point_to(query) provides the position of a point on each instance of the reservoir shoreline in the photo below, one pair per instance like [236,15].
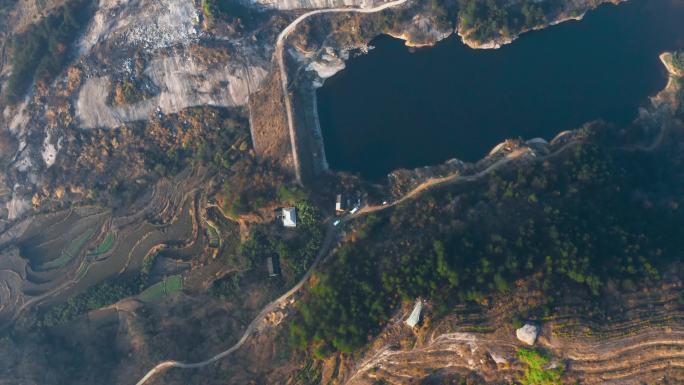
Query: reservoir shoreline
[625,114]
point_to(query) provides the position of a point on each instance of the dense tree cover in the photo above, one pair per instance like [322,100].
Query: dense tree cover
[95,297]
[578,220]
[488,19]
[345,305]
[42,51]
[297,248]
[443,12]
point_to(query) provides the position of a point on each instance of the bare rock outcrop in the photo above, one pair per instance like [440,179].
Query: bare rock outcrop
[528,333]
[184,82]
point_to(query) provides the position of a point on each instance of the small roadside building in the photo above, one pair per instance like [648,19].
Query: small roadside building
[414,318]
[273,265]
[289,217]
[340,205]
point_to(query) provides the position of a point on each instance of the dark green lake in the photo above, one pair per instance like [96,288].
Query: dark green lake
[400,108]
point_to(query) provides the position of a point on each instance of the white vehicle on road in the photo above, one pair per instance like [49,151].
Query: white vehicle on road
[354,210]
[337,222]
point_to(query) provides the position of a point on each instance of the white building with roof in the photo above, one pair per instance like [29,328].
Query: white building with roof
[290,217]
[339,205]
[414,317]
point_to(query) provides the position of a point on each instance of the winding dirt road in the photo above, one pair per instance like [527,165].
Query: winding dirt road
[332,230]
[330,237]
[328,241]
[434,182]
[280,55]
[254,325]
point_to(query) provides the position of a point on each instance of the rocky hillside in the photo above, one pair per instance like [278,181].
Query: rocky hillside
[145,151]
[119,63]
[112,63]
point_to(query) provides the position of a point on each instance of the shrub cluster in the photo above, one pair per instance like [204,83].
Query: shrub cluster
[588,217]
[42,51]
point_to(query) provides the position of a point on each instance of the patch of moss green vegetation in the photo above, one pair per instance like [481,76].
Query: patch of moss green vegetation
[105,246]
[71,252]
[600,216]
[148,263]
[168,286]
[42,51]
[81,271]
[535,373]
[173,284]
[290,195]
[212,233]
[153,293]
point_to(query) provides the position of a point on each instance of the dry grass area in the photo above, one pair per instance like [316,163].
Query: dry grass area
[269,122]
[639,341]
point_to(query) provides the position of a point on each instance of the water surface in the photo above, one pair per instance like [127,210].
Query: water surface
[396,108]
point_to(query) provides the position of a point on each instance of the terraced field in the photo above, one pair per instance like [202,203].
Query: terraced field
[213,235]
[72,251]
[61,254]
[104,247]
[642,343]
[49,244]
[46,256]
[165,219]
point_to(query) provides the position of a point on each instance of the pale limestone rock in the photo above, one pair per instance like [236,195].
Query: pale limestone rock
[528,333]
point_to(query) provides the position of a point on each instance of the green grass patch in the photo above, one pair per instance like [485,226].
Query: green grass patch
[148,263]
[71,251]
[105,246]
[170,285]
[153,292]
[213,235]
[535,374]
[290,196]
[82,270]
[173,284]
